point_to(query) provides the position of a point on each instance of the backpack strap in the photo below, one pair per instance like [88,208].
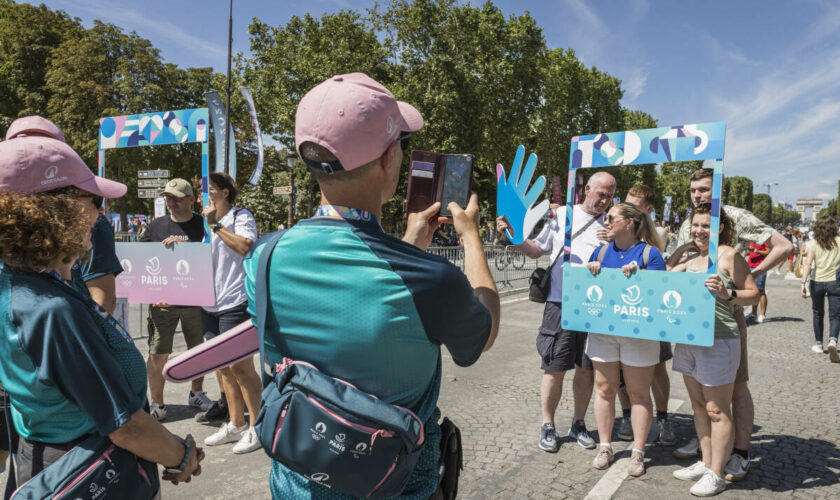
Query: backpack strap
[261,293]
[646,255]
[602,251]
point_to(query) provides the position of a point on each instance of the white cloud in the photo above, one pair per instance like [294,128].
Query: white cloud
[634,86]
[146,26]
[825,196]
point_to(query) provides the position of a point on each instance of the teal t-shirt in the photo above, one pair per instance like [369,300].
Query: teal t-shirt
[68,372]
[368,308]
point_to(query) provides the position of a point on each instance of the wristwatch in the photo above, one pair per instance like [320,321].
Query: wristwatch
[183,464]
[732,295]
[215,227]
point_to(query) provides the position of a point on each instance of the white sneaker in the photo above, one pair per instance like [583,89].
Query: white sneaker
[817,348]
[199,399]
[760,318]
[248,443]
[709,485]
[693,472]
[736,468]
[157,411]
[832,351]
[227,433]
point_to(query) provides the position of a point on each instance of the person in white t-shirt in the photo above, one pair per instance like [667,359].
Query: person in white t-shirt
[561,349]
[234,233]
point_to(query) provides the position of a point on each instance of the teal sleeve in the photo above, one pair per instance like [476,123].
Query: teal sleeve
[250,264]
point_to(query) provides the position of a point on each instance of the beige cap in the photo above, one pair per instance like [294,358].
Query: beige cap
[178,188]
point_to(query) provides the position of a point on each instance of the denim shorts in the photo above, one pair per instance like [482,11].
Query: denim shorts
[216,323]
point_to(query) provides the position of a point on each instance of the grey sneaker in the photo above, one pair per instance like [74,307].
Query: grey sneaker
[157,411]
[625,429]
[666,433]
[548,439]
[579,433]
[832,351]
[636,467]
[709,485]
[736,468]
[604,458]
[199,399]
[693,472]
[690,450]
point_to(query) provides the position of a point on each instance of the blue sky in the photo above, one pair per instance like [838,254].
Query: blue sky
[770,69]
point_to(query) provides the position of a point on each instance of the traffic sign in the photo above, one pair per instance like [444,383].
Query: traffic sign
[152,183]
[148,193]
[152,174]
[282,190]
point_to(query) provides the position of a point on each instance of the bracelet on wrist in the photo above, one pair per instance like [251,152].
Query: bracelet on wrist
[183,465]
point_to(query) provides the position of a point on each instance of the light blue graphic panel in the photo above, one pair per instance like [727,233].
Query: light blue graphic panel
[514,199]
[652,305]
[154,129]
[699,141]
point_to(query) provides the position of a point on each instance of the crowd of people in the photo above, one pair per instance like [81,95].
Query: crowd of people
[337,292]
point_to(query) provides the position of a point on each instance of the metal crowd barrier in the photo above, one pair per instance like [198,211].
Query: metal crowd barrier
[509,267]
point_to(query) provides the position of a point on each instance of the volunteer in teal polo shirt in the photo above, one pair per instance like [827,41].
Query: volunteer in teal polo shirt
[357,303]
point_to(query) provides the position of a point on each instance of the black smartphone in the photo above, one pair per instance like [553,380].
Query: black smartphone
[457,182]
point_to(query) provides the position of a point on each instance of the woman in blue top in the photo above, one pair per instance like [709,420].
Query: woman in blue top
[70,369]
[633,246]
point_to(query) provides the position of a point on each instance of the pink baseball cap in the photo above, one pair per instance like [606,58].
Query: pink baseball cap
[31,164]
[355,118]
[32,125]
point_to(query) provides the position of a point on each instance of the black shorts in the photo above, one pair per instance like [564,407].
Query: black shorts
[665,352]
[7,429]
[560,349]
[216,323]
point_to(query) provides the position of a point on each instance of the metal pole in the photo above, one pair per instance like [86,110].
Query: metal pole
[228,131]
[292,198]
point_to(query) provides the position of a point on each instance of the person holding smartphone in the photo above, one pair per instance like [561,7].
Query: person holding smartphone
[360,305]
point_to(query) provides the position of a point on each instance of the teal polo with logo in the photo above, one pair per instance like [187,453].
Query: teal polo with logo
[373,310]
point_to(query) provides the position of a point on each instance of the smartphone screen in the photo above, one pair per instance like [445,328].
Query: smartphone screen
[456,182]
[421,186]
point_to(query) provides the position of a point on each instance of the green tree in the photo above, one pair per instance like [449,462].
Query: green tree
[830,210]
[28,36]
[761,206]
[673,180]
[738,192]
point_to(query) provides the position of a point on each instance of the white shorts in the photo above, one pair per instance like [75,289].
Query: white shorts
[631,352]
[711,366]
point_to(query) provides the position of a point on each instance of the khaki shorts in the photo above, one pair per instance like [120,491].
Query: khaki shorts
[743,374]
[165,320]
[629,351]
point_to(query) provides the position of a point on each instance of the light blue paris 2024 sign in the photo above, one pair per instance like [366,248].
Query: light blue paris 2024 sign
[655,305]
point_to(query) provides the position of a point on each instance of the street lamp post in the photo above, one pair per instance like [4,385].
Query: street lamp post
[768,186]
[291,161]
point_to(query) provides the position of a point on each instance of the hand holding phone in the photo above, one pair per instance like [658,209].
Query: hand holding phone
[436,177]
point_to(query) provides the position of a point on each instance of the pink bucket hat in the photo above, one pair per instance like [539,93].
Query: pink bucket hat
[31,164]
[355,118]
[32,125]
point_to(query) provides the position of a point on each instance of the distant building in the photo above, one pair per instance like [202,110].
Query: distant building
[808,208]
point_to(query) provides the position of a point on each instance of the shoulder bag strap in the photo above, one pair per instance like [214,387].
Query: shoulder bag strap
[646,255]
[261,295]
[601,253]
[577,233]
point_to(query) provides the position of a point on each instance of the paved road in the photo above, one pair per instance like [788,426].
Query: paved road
[496,404]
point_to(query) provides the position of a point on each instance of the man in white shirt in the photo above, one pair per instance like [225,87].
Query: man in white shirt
[560,349]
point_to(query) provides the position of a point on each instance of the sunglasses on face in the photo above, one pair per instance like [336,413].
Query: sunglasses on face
[405,140]
[612,219]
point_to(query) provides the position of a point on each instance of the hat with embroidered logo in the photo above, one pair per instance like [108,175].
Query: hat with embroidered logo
[34,125]
[355,118]
[34,164]
[178,188]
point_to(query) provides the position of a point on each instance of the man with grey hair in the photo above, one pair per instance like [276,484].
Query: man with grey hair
[561,349]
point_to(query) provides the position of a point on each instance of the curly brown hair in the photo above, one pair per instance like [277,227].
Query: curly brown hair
[726,233]
[38,228]
[825,232]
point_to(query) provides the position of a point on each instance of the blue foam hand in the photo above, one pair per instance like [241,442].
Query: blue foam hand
[515,201]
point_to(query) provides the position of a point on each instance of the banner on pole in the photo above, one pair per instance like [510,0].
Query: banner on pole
[217,118]
[153,129]
[252,112]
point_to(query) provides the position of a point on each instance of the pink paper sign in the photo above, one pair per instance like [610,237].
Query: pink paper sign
[179,274]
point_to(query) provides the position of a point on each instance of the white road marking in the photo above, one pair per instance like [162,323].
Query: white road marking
[514,301]
[611,481]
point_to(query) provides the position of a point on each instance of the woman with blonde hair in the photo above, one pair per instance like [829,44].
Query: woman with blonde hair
[633,247]
[823,255]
